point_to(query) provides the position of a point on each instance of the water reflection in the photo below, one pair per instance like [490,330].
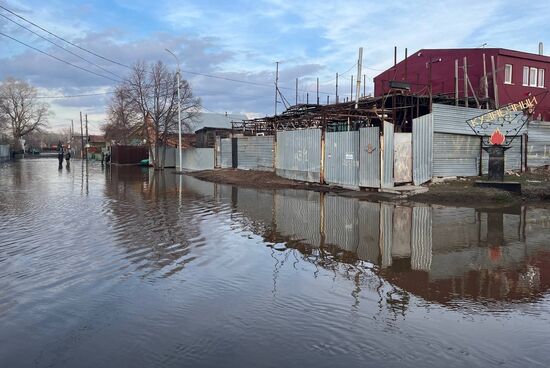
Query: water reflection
[439,253]
[117,266]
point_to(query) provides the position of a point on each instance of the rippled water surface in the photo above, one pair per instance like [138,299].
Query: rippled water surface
[121,267]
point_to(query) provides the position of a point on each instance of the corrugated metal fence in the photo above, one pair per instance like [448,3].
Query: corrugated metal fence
[538,144]
[298,154]
[225,159]
[342,158]
[197,159]
[4,151]
[256,153]
[422,145]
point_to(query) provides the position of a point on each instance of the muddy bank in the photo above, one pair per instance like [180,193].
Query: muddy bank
[535,187]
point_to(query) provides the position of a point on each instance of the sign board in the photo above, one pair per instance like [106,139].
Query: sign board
[501,126]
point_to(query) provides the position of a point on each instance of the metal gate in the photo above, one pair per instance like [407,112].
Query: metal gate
[369,157]
[422,144]
[387,159]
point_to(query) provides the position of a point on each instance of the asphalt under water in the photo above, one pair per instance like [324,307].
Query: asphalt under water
[124,267]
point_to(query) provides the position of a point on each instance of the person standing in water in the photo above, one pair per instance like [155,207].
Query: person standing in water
[60,155]
[68,158]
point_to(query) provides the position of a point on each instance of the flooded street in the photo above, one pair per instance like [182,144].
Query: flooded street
[122,267]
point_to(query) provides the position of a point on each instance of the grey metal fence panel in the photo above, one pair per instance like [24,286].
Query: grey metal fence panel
[422,145]
[256,153]
[421,238]
[456,155]
[225,153]
[169,156]
[538,144]
[369,157]
[368,248]
[197,159]
[341,222]
[387,161]
[386,233]
[342,158]
[512,157]
[4,151]
[452,119]
[291,208]
[298,154]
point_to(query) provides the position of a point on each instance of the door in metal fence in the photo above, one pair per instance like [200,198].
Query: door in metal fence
[387,156]
[369,157]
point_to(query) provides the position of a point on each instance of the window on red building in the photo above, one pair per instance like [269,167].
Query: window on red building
[508,74]
[533,77]
[525,75]
[541,78]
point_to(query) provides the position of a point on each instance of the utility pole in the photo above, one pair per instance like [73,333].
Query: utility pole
[276,85]
[456,82]
[296,91]
[317,90]
[466,82]
[485,84]
[364,85]
[178,74]
[87,137]
[336,87]
[81,138]
[495,86]
[351,89]
[359,66]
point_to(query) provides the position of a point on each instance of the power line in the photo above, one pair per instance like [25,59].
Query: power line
[59,46]
[129,67]
[56,58]
[61,38]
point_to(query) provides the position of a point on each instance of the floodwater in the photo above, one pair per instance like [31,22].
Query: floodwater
[121,267]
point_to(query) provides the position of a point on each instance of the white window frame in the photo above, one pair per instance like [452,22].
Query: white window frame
[533,77]
[508,73]
[540,78]
[525,75]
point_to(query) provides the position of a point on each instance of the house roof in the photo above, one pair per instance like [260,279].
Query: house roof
[215,120]
[97,139]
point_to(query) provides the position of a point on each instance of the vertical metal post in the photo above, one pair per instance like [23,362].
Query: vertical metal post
[296,91]
[81,138]
[276,85]
[87,137]
[485,84]
[179,122]
[456,82]
[406,64]
[351,89]
[359,66]
[495,86]
[317,90]
[466,82]
[364,85]
[336,87]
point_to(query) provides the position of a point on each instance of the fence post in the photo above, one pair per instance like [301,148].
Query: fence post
[322,168]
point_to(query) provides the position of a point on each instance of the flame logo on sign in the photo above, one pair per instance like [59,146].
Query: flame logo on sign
[497,138]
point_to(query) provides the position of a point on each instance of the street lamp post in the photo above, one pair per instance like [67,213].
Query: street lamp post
[179,110]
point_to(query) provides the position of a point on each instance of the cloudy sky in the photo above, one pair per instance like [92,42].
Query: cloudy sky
[239,42]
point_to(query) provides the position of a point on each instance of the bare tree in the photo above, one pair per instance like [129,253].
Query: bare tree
[123,117]
[153,91]
[20,109]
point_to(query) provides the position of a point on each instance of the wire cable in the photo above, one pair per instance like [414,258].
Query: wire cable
[58,59]
[61,38]
[59,46]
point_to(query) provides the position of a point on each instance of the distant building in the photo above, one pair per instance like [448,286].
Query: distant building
[517,75]
[209,126]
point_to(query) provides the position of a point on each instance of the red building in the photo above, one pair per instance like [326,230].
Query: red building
[517,74]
